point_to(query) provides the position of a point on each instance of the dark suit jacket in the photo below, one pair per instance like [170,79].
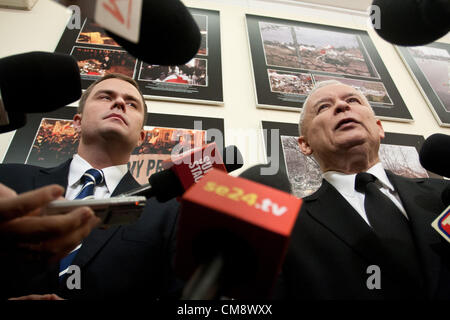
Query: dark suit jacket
[332,247]
[125,262]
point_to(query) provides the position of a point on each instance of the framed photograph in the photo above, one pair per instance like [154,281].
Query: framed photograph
[398,153]
[290,57]
[50,139]
[198,81]
[430,67]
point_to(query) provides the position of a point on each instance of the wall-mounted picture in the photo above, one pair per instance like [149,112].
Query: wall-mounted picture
[202,22]
[430,67]
[398,153]
[193,73]
[374,91]
[94,63]
[198,81]
[303,54]
[290,82]
[50,139]
[92,33]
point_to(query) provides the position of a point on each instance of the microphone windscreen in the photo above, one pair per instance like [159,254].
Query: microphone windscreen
[168,35]
[413,22]
[232,158]
[278,181]
[16,121]
[166,185]
[445,196]
[39,81]
[435,153]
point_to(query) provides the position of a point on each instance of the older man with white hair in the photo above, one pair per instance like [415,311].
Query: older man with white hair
[365,234]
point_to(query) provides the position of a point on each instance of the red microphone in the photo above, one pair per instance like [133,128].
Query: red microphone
[186,169]
[238,232]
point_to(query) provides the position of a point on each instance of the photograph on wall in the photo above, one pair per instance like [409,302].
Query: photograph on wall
[202,22]
[197,81]
[193,73]
[374,91]
[290,82]
[92,33]
[430,67]
[398,153]
[95,63]
[50,139]
[303,54]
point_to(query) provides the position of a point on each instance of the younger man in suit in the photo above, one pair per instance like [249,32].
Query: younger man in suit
[366,233]
[120,262]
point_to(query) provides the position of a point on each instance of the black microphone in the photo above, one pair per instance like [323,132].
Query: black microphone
[233,234]
[36,82]
[445,196]
[168,34]
[435,154]
[413,22]
[174,181]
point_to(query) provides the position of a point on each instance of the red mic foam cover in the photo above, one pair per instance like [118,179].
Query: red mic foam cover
[261,216]
[192,165]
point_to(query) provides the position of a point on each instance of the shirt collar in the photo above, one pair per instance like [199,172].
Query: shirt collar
[113,174]
[345,183]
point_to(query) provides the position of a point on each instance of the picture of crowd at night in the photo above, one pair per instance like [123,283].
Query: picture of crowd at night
[92,33]
[55,142]
[192,73]
[96,62]
[159,140]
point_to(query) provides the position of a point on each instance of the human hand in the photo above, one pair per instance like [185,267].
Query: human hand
[27,235]
[39,297]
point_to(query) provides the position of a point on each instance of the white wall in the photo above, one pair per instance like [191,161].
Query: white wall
[41,29]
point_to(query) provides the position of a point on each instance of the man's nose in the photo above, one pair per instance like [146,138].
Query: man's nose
[119,102]
[341,106]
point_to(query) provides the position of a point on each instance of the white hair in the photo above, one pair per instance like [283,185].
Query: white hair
[317,86]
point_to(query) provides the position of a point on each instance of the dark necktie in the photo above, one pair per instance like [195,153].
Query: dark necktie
[90,179]
[389,224]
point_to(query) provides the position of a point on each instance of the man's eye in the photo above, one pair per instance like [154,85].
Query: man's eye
[353,100]
[132,104]
[105,97]
[322,107]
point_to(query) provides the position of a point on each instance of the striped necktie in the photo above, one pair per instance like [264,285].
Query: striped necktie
[90,179]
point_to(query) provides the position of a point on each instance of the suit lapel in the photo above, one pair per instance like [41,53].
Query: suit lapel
[329,208]
[57,175]
[99,237]
[421,216]
[127,183]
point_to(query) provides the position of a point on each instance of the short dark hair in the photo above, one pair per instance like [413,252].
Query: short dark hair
[119,76]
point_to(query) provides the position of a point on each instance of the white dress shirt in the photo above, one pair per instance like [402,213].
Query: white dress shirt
[345,185]
[78,167]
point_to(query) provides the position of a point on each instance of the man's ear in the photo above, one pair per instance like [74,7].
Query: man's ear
[77,122]
[381,130]
[141,137]
[304,146]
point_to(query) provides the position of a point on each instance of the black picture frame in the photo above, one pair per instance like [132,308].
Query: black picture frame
[296,65]
[23,139]
[309,185]
[187,83]
[432,76]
